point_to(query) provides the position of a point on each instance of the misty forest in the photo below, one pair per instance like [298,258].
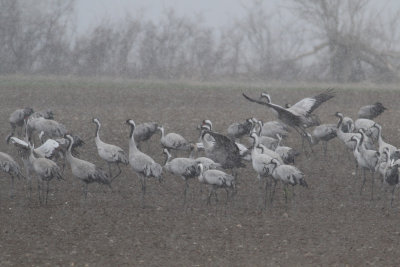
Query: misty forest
[336,41]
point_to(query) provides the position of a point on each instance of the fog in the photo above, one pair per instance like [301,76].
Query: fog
[291,40]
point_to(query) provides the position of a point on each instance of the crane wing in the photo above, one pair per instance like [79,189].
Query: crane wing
[307,105]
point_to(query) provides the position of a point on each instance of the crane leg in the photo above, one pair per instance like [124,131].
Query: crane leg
[109,170]
[143,181]
[266,192]
[227,195]
[185,191]
[372,185]
[364,179]
[119,172]
[209,196]
[285,189]
[85,190]
[391,201]
[47,190]
[273,192]
[39,191]
[12,186]
[325,148]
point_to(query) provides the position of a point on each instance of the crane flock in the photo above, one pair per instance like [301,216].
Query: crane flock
[223,154]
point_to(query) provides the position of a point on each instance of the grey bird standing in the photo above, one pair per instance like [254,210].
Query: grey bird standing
[217,179]
[288,175]
[110,153]
[46,170]
[144,131]
[183,167]
[85,171]
[17,119]
[143,165]
[10,166]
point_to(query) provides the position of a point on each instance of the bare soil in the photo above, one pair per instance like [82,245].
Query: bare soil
[329,223]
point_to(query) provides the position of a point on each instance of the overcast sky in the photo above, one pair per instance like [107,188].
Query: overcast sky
[214,12]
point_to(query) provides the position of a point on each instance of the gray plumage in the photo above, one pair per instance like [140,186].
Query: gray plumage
[217,179]
[222,150]
[288,175]
[272,128]
[110,153]
[344,136]
[298,115]
[368,126]
[85,171]
[46,150]
[186,168]
[17,119]
[174,141]
[46,170]
[347,125]
[238,129]
[143,165]
[208,164]
[264,150]
[367,159]
[267,141]
[10,166]
[323,133]
[145,131]
[382,144]
[46,113]
[371,111]
[50,128]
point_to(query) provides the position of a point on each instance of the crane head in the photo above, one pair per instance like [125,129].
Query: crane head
[266,96]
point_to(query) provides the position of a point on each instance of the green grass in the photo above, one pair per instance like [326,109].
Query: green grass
[32,82]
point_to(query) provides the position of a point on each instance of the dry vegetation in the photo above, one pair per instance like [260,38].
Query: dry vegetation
[328,224]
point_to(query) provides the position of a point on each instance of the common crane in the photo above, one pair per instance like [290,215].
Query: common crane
[110,153]
[382,144]
[298,115]
[260,163]
[144,131]
[183,167]
[217,179]
[17,119]
[143,165]
[85,171]
[174,141]
[10,166]
[287,174]
[222,150]
[367,160]
[323,133]
[47,150]
[46,170]
[371,111]
[50,128]
[287,154]
[237,130]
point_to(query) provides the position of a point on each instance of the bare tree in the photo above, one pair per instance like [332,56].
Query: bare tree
[353,34]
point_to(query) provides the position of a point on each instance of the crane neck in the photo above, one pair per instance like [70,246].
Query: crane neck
[167,157]
[98,125]
[339,125]
[132,144]
[162,132]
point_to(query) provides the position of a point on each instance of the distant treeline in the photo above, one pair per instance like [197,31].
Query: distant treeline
[326,40]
